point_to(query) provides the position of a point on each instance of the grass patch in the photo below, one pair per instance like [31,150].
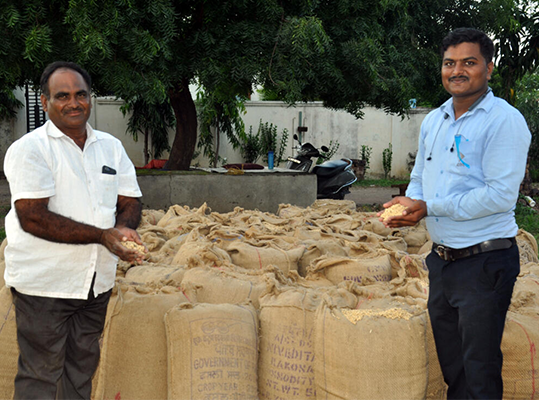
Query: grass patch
[527,219]
[3,212]
[380,182]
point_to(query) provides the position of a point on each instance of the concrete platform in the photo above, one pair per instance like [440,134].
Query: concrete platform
[263,190]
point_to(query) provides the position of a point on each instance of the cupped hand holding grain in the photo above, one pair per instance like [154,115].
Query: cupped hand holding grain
[134,246]
[403,211]
[395,209]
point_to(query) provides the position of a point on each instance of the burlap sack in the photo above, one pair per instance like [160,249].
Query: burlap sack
[180,220]
[341,222]
[520,358]
[2,248]
[212,352]
[224,236]
[527,246]
[330,206]
[365,270]
[2,271]
[289,211]
[436,387]
[200,253]
[224,285]
[414,236]
[249,256]
[156,274]
[382,356]
[308,233]
[426,248]
[413,266]
[529,268]
[525,293]
[151,217]
[317,248]
[134,357]
[9,349]
[286,363]
[376,226]
[411,291]
[391,243]
[153,237]
[168,251]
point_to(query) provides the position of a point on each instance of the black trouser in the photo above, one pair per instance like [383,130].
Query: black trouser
[59,345]
[468,303]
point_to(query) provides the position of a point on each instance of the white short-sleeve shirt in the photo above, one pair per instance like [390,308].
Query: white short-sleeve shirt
[80,184]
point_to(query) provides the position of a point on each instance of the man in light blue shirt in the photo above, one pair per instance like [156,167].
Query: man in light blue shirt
[470,162]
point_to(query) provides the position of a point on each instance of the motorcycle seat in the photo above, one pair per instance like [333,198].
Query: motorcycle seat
[330,168]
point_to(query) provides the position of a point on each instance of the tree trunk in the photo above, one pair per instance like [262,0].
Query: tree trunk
[216,152]
[146,149]
[184,143]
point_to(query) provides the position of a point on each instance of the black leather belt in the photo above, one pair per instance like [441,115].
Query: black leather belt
[449,254]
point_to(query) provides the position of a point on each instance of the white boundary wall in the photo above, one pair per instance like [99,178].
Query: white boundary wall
[377,129]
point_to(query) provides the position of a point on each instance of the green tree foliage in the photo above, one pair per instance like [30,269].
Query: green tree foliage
[151,120]
[527,101]
[517,46]
[219,115]
[349,54]
[387,158]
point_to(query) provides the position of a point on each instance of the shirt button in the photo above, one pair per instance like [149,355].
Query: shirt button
[436,219]
[436,194]
[441,241]
[441,172]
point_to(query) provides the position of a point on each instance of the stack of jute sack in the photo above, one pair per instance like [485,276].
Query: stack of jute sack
[322,302]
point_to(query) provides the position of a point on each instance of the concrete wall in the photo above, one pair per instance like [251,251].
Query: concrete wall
[262,191]
[6,137]
[377,129]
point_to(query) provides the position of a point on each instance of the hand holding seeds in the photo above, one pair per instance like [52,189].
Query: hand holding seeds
[134,246]
[395,209]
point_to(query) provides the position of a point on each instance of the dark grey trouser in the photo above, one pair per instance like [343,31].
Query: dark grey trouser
[59,345]
[468,303]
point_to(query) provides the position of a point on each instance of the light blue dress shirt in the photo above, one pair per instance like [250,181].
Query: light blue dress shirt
[469,171]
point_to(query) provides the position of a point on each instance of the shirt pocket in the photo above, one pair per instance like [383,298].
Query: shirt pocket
[108,190]
[470,158]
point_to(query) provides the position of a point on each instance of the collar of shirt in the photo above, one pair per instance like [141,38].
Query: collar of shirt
[53,131]
[486,103]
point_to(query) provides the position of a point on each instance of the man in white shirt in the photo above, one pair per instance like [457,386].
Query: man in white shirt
[75,199]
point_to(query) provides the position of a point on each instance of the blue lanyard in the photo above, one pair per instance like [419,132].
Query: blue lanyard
[457,142]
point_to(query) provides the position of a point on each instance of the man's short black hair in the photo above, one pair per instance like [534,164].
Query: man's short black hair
[44,82]
[470,35]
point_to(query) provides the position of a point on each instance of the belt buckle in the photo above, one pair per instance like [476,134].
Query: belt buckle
[443,252]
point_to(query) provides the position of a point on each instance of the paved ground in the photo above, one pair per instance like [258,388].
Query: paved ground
[371,195]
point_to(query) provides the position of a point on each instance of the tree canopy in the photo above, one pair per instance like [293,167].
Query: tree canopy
[347,53]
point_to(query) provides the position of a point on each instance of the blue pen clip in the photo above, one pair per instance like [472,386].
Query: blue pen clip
[457,142]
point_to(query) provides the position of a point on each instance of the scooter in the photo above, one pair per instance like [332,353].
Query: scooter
[333,178]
